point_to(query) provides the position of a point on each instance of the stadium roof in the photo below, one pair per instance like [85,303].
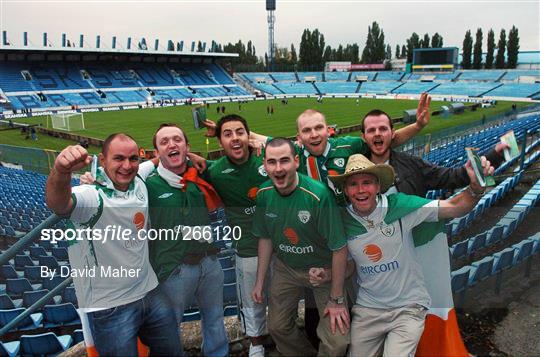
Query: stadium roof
[60,53]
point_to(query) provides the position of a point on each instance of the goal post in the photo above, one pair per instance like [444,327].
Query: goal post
[67,121]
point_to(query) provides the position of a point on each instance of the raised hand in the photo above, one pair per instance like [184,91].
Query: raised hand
[71,159]
[422,111]
[210,128]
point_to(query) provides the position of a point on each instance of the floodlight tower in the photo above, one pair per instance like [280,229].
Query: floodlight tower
[270,7]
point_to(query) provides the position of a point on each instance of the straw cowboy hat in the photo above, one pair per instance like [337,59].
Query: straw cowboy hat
[359,164]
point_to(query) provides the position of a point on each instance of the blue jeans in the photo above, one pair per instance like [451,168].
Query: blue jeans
[202,283]
[115,330]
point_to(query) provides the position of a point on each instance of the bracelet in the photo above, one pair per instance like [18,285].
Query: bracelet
[476,194]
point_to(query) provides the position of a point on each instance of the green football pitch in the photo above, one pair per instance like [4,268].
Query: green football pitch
[141,123]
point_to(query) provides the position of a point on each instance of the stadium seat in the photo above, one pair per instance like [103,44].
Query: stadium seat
[51,283]
[10,349]
[29,323]
[477,242]
[229,275]
[459,249]
[494,235]
[480,270]
[60,253]
[48,261]
[78,336]
[68,295]
[16,287]
[35,252]
[31,297]
[33,274]
[7,303]
[460,279]
[61,314]
[502,261]
[44,344]
[509,225]
[8,272]
[523,250]
[22,260]
[226,262]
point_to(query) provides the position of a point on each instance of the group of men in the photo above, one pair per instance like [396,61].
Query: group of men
[311,213]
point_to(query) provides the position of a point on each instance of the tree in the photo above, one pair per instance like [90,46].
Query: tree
[294,57]
[388,54]
[412,43]
[397,51]
[374,51]
[477,53]
[403,51]
[513,48]
[436,40]
[467,49]
[425,41]
[501,47]
[490,49]
[312,47]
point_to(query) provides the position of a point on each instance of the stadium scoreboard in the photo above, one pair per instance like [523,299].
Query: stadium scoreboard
[435,59]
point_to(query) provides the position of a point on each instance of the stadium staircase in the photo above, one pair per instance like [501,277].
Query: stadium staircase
[402,77]
[486,92]
[296,75]
[501,76]
[323,77]
[277,88]
[316,89]
[375,76]
[349,77]
[273,78]
[358,88]
[456,77]
[399,85]
[435,86]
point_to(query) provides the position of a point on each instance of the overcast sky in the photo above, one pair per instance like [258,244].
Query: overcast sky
[229,20]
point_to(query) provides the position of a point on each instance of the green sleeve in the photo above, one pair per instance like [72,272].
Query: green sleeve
[359,146]
[330,224]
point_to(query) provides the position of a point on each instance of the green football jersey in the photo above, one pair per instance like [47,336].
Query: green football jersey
[237,185]
[170,209]
[305,226]
[333,161]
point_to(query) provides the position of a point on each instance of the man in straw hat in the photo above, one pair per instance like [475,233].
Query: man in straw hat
[392,299]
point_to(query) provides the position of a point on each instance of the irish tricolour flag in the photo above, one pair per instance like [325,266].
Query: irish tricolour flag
[441,335]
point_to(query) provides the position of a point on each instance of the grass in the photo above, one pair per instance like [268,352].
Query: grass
[141,123]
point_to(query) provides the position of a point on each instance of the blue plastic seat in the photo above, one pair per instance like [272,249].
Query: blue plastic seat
[48,261]
[523,250]
[51,283]
[60,253]
[480,270]
[60,315]
[8,272]
[22,260]
[33,274]
[16,287]
[31,297]
[68,295]
[35,252]
[459,249]
[10,349]
[78,336]
[503,260]
[45,344]
[476,243]
[460,279]
[29,323]
[494,235]
[229,275]
[7,303]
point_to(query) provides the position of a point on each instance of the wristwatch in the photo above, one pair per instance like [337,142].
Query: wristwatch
[340,300]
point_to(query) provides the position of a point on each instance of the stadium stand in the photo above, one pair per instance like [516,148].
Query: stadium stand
[336,76]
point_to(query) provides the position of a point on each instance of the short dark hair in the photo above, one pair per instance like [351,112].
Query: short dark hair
[228,118]
[164,125]
[110,138]
[375,113]
[279,141]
